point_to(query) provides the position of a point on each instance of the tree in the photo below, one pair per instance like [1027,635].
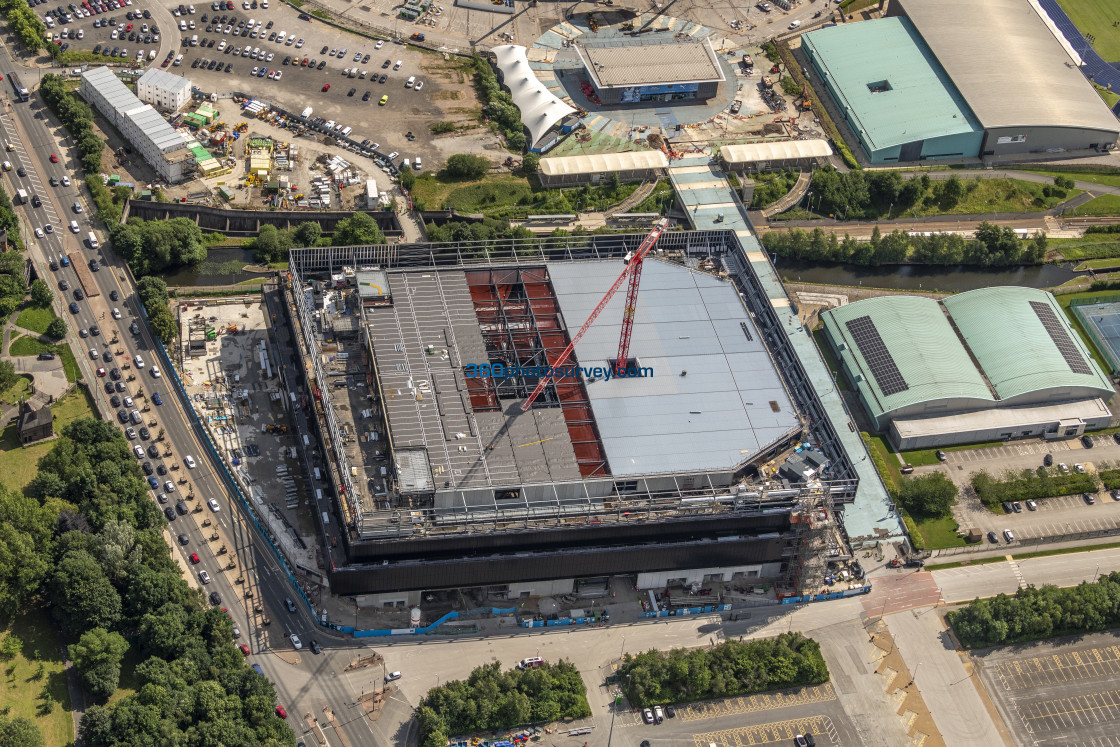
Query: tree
[466,166]
[56,329]
[41,295]
[8,375]
[929,496]
[19,732]
[952,192]
[408,177]
[97,656]
[83,596]
[308,233]
[359,228]
[11,647]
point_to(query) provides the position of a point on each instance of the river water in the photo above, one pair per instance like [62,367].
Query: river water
[222,267]
[946,279]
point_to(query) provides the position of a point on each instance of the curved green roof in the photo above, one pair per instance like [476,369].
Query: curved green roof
[926,351]
[1014,348]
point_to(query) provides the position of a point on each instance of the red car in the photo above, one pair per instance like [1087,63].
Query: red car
[54,158]
[101,372]
[326,87]
[194,559]
[244,649]
[128,27]
[281,712]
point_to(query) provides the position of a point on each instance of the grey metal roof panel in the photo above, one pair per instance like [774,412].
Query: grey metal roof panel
[1008,64]
[718,415]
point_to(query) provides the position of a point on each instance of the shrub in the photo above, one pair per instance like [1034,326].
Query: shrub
[466,166]
[1026,485]
[729,669]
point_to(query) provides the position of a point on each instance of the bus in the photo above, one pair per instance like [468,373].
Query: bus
[17,86]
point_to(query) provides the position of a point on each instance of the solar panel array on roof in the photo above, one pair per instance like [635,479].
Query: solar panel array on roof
[874,351]
[1060,336]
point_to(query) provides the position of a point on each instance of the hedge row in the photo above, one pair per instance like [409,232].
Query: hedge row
[1027,485]
[1110,478]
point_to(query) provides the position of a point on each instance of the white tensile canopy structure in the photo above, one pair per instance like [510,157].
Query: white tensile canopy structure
[540,108]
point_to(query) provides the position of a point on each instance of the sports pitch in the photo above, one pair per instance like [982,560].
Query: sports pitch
[1096,17]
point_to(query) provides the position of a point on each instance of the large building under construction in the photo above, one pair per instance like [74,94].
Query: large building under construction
[705,466]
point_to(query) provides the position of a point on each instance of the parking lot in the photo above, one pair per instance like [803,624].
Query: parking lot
[1050,693]
[342,77]
[1054,516]
[758,719]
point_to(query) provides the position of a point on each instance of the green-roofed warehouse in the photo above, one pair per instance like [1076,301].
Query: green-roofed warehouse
[895,96]
[990,364]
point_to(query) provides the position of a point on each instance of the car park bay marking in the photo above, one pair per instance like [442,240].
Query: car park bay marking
[756,703]
[1049,670]
[778,731]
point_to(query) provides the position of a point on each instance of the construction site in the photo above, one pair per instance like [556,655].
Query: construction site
[478,429]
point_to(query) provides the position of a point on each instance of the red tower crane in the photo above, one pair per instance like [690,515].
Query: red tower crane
[633,268]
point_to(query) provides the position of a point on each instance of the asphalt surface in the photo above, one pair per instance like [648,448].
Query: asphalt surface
[30,127]
[1057,692]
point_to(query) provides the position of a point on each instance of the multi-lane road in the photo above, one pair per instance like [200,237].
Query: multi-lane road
[305,683]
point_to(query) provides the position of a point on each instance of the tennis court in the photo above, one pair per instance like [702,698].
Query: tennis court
[1103,322]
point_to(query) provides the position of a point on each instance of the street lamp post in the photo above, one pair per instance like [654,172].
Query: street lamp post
[915,674]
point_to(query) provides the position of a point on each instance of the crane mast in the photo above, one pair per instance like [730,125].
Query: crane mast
[633,269]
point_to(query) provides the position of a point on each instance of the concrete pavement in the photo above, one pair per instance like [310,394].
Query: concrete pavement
[940,675]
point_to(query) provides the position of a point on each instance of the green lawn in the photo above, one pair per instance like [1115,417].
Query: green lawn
[22,687]
[35,319]
[30,346]
[1001,196]
[922,457]
[1098,206]
[1099,264]
[1091,246]
[1108,178]
[1096,17]
[508,196]
[18,464]
[17,392]
[939,533]
[885,461]
[1110,98]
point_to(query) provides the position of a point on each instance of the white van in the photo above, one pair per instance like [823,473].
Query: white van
[194,40]
[406,164]
[531,663]
[93,240]
[416,165]
[74,226]
[346,131]
[318,494]
[411,80]
[178,61]
[281,37]
[398,64]
[326,519]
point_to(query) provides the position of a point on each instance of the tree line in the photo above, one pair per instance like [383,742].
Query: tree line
[993,247]
[492,699]
[1034,613]
[272,244]
[498,106]
[151,246]
[1028,485]
[85,540]
[25,25]
[729,669]
[152,292]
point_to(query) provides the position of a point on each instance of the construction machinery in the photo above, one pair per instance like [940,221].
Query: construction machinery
[270,428]
[804,103]
[633,269]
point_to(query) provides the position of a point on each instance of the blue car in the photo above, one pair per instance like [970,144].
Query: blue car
[153,482]
[156,398]
[65,261]
[73,308]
